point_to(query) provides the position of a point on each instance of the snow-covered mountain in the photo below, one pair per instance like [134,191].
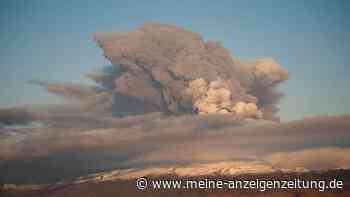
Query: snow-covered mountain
[232,168]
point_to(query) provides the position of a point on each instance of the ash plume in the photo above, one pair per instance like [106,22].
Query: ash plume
[159,62]
[156,68]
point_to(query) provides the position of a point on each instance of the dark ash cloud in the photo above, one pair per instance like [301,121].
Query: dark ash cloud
[154,65]
[158,62]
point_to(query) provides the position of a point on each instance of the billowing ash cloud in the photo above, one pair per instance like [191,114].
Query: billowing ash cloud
[215,97]
[156,68]
[158,62]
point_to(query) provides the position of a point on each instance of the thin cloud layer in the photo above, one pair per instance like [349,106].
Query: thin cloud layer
[155,139]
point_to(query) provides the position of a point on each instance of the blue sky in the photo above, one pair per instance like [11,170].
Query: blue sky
[51,40]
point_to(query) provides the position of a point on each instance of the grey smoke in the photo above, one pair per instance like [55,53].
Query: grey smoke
[153,66]
[160,60]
